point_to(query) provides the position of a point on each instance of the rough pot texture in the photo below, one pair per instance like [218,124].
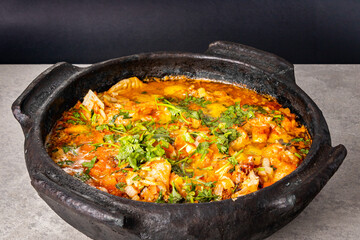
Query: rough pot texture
[103,216]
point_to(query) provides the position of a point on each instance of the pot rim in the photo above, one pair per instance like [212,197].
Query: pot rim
[317,139]
[277,204]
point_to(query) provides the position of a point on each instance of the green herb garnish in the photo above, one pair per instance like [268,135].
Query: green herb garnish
[174,196]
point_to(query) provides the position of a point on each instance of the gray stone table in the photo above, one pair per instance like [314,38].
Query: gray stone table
[333,214]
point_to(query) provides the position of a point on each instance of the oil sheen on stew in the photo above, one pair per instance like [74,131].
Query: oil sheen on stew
[176,140]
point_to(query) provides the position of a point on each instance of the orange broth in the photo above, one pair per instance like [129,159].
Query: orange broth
[178,140]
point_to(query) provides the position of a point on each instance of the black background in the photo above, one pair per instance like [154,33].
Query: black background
[310,31]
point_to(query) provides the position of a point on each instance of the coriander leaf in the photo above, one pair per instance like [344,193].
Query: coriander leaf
[209,184]
[66,162]
[94,118]
[297,140]
[114,119]
[232,159]
[202,102]
[109,138]
[71,149]
[66,149]
[190,196]
[160,198]
[102,127]
[120,186]
[278,118]
[136,178]
[174,196]
[133,162]
[124,114]
[90,164]
[71,121]
[82,176]
[304,151]
[187,138]
[224,137]
[207,120]
[162,134]
[193,114]
[202,149]
[175,111]
[76,114]
[205,195]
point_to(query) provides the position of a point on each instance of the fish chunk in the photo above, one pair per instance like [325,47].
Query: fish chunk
[125,84]
[92,102]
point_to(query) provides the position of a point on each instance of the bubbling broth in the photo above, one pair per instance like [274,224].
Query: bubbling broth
[176,140]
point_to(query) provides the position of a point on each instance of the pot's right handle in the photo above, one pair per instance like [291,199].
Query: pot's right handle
[318,174]
[269,63]
[26,105]
[335,158]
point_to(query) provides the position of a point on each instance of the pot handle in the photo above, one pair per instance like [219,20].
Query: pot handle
[316,176]
[71,201]
[26,105]
[267,62]
[325,171]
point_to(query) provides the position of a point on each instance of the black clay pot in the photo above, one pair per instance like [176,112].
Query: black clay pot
[103,216]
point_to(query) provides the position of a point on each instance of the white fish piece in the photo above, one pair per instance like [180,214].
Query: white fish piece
[91,101]
[125,84]
[131,191]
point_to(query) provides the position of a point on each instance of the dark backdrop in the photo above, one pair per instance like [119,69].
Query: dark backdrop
[310,31]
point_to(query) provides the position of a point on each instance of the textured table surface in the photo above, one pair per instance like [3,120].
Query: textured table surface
[333,214]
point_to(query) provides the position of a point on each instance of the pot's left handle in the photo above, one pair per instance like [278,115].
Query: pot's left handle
[26,105]
[67,203]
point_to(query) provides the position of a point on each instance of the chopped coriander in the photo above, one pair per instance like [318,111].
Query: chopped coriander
[202,102]
[278,118]
[64,163]
[161,134]
[297,140]
[109,138]
[90,164]
[160,198]
[120,186]
[71,121]
[82,176]
[124,114]
[136,178]
[143,142]
[203,147]
[102,127]
[83,116]
[174,196]
[207,168]
[66,149]
[71,149]
[93,118]
[175,111]
[76,114]
[232,159]
[304,151]
[187,138]
[205,195]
